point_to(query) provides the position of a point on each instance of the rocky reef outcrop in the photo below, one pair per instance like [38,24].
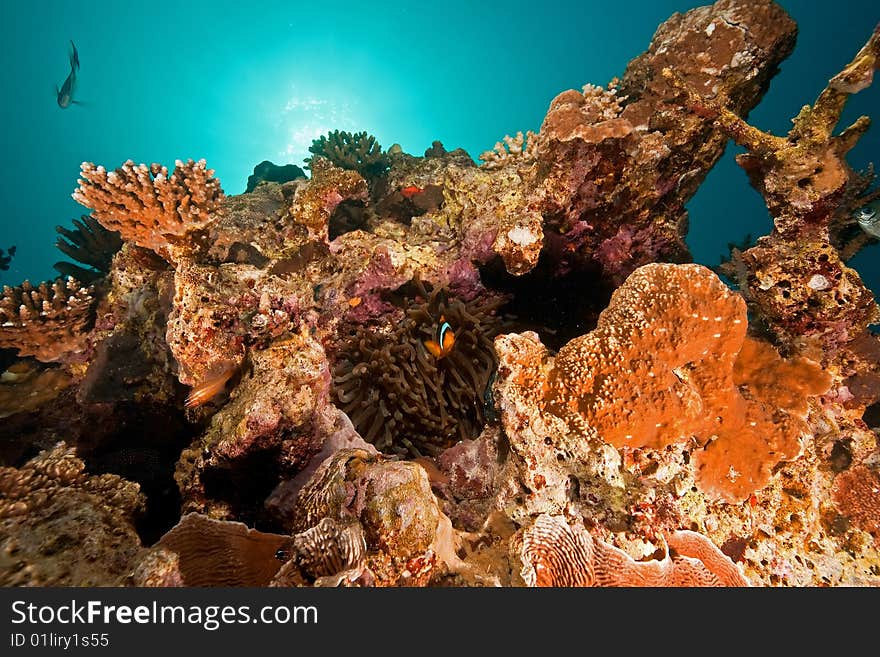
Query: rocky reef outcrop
[410,370]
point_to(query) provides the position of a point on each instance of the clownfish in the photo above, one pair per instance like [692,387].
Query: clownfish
[444,342]
[412,190]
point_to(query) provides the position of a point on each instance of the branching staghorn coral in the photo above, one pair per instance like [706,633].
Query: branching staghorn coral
[403,399]
[148,206]
[357,151]
[91,244]
[49,322]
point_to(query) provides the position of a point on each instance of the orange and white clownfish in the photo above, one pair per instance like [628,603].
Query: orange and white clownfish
[444,342]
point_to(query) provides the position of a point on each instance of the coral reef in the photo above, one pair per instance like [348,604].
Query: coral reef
[146,205]
[50,322]
[356,151]
[794,278]
[267,171]
[429,371]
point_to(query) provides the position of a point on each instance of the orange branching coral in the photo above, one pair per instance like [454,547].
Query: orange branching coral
[555,553]
[49,322]
[856,494]
[661,366]
[146,205]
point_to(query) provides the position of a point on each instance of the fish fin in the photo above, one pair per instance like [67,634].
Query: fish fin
[434,348]
[448,340]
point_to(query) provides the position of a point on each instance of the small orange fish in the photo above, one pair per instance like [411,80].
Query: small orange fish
[410,191]
[444,342]
[209,388]
[354,302]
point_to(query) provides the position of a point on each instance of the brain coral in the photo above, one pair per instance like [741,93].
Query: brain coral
[555,553]
[661,366]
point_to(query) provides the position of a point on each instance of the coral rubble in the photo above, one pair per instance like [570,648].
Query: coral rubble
[427,371]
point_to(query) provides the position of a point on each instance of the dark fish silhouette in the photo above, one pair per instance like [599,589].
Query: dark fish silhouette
[65,94]
[6,258]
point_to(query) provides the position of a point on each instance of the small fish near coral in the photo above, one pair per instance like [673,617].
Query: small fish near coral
[869,218]
[6,257]
[64,96]
[211,386]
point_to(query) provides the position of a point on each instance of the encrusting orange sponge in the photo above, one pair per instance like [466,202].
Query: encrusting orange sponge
[669,360]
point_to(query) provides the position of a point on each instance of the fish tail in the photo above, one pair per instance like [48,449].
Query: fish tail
[74,56]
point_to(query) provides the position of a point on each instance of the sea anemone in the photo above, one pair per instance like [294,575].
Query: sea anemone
[400,396]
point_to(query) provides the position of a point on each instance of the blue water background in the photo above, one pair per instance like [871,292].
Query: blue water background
[236,83]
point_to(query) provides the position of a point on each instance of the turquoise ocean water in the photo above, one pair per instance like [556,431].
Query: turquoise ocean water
[237,83]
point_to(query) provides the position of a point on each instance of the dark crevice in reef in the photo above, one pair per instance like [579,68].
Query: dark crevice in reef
[145,449]
[871,416]
[245,485]
[557,306]
[7,357]
[348,216]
